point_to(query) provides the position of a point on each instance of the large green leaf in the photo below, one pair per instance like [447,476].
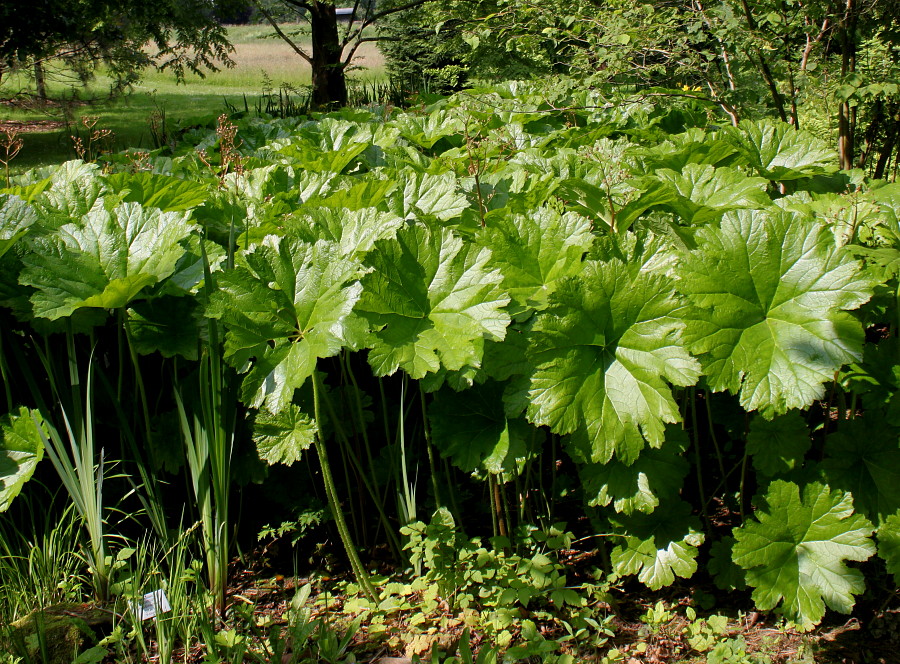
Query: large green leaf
[75,187]
[355,232]
[427,130]
[426,195]
[794,551]
[283,437]
[658,546]
[16,216]
[863,458]
[603,353]
[104,260]
[703,193]
[692,147]
[642,485]
[159,191]
[770,291]
[432,302]
[471,429]
[534,251]
[286,306]
[777,446]
[777,151]
[21,448]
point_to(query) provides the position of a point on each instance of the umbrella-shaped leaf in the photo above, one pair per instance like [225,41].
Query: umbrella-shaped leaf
[104,260]
[165,192]
[21,448]
[604,353]
[658,546]
[426,195]
[355,232]
[777,151]
[432,302]
[74,189]
[703,193]
[863,457]
[534,251]
[471,429]
[427,130]
[283,437]
[795,549]
[288,305]
[771,290]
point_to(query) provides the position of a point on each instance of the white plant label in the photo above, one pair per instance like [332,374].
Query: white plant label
[151,604]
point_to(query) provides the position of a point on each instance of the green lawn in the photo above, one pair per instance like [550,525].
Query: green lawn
[260,62]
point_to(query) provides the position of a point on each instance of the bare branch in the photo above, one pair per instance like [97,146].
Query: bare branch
[358,42]
[299,51]
[300,4]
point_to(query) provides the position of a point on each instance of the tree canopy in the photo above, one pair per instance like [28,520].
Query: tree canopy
[184,35]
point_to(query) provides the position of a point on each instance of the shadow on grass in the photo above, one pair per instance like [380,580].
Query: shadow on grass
[127,117]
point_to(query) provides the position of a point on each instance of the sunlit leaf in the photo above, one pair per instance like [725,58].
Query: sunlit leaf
[794,551]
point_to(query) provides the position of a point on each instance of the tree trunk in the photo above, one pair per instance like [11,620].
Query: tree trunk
[848,66]
[39,81]
[329,85]
[887,149]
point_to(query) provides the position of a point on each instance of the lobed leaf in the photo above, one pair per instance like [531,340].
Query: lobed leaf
[105,260]
[795,547]
[286,306]
[432,302]
[770,291]
[603,354]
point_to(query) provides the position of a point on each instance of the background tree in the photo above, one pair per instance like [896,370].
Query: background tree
[332,46]
[183,34]
[831,66]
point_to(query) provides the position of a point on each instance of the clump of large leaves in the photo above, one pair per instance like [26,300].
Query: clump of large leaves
[105,260]
[21,448]
[432,302]
[604,352]
[794,551]
[286,305]
[770,291]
